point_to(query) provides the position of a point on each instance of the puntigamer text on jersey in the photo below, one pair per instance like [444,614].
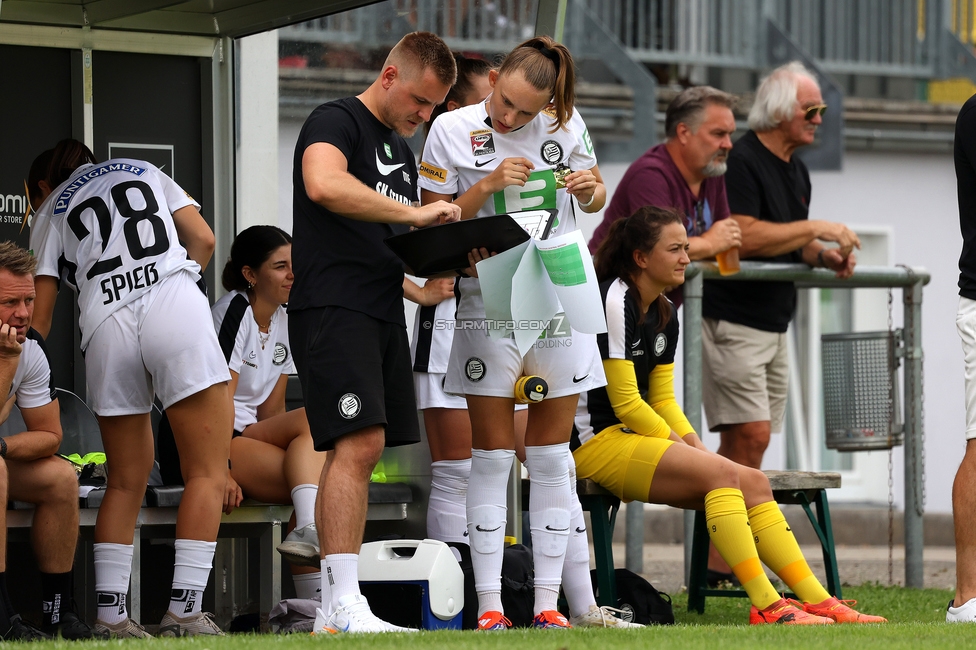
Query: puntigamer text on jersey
[65,197]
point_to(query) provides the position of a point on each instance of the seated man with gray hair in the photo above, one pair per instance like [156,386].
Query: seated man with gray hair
[744,369]
[685,173]
[29,469]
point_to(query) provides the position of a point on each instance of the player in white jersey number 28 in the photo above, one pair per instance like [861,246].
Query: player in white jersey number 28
[112,231]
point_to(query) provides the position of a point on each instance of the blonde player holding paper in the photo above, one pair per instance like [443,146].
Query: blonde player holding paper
[500,156]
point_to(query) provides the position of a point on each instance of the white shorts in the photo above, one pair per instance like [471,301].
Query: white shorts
[163,342]
[966,325]
[481,365]
[431,395]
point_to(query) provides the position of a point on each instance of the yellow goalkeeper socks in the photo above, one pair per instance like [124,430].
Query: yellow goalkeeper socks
[728,526]
[778,549]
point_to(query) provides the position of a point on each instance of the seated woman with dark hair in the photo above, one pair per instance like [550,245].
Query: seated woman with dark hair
[637,443]
[272,455]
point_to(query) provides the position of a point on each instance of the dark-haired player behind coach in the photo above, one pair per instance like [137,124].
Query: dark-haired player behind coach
[355,184]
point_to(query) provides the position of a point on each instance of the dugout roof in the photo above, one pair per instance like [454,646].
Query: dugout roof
[227,18]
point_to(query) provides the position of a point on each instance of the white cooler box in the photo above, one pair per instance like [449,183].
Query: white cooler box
[413,583]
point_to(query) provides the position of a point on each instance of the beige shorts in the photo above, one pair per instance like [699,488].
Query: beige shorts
[966,325]
[745,375]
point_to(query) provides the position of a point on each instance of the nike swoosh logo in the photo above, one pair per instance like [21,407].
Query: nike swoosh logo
[556,530]
[479,163]
[580,530]
[576,381]
[464,534]
[635,343]
[386,170]
[486,530]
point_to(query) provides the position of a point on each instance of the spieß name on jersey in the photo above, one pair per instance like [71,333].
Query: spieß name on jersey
[108,231]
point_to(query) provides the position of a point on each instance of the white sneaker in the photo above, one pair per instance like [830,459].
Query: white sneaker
[321,624]
[965,613]
[603,617]
[301,547]
[353,615]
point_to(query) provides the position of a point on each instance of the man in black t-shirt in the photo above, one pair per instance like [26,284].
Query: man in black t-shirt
[744,370]
[963,606]
[355,184]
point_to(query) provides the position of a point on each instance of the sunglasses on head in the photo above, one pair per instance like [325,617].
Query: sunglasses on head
[812,111]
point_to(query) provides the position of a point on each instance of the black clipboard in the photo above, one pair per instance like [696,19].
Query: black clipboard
[436,250]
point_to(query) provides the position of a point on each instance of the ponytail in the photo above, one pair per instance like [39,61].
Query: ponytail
[547,65]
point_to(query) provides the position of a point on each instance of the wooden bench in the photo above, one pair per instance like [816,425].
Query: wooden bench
[258,521]
[802,488]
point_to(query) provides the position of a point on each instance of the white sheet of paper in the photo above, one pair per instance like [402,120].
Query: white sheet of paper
[495,276]
[570,268]
[534,302]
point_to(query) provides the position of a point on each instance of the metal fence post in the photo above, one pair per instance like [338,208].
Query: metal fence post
[914,427]
[692,371]
[634,559]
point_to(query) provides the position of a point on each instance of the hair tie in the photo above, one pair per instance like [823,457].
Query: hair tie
[547,52]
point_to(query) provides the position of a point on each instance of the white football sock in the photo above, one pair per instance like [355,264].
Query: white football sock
[303,498]
[191,572]
[447,518]
[486,512]
[549,503]
[577,586]
[113,565]
[308,585]
[342,576]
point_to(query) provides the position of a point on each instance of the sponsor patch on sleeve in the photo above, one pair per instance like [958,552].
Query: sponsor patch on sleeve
[433,173]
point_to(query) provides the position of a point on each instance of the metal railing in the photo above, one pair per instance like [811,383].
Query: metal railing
[911,281]
[488,26]
[885,37]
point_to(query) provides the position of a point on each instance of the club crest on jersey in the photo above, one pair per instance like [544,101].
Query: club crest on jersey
[280,354]
[551,152]
[475,369]
[482,142]
[388,150]
[660,343]
[350,405]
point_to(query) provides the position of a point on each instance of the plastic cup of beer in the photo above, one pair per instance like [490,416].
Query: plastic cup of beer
[728,261]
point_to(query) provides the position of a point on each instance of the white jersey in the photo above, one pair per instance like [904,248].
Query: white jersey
[462,148]
[108,231]
[32,382]
[258,367]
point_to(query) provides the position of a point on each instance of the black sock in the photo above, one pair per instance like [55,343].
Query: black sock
[6,607]
[55,596]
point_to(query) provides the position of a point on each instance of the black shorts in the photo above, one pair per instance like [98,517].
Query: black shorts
[355,372]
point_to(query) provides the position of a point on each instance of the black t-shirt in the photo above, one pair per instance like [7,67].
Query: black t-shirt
[340,261]
[629,339]
[964,153]
[763,186]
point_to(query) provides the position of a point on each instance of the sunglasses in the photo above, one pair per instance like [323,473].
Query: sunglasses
[812,111]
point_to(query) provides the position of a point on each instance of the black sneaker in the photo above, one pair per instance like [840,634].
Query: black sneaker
[72,628]
[20,630]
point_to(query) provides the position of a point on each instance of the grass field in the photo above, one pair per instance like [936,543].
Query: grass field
[918,621]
